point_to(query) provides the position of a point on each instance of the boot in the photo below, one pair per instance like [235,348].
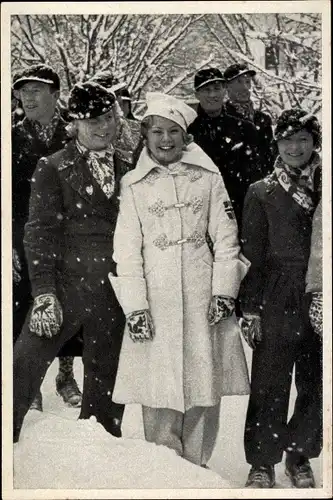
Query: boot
[299,470]
[37,403]
[68,389]
[261,477]
[65,383]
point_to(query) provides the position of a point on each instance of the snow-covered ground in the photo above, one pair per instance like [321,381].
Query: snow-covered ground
[58,451]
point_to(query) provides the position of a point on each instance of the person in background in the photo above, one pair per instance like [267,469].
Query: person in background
[238,79]
[314,276]
[181,350]
[69,245]
[276,236]
[125,101]
[41,132]
[229,141]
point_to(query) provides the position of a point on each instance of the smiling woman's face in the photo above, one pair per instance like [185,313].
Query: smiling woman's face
[165,140]
[296,150]
[97,133]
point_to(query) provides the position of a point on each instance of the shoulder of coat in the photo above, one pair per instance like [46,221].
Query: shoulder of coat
[20,127]
[127,179]
[59,159]
[265,186]
[263,117]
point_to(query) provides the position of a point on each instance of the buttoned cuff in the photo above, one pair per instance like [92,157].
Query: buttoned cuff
[130,292]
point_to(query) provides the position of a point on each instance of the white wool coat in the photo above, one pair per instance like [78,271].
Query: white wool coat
[164,264]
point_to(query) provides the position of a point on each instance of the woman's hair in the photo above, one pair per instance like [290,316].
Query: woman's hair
[147,124]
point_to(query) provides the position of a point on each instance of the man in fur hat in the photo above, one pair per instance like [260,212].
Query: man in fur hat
[69,246]
[41,132]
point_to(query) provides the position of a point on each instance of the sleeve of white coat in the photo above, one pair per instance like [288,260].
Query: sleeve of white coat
[229,266]
[129,285]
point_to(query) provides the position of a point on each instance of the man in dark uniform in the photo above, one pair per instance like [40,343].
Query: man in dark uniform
[238,79]
[41,132]
[230,141]
[69,246]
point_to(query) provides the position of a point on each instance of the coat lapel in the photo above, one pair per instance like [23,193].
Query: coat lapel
[75,171]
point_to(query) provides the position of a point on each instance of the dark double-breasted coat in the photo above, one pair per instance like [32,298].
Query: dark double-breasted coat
[235,145]
[276,236]
[69,245]
[27,149]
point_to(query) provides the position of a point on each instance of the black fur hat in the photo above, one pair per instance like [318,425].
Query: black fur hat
[88,100]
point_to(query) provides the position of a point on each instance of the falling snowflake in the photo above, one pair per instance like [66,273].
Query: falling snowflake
[237,146]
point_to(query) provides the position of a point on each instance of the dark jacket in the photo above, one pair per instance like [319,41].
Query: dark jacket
[261,136]
[276,238]
[233,145]
[27,149]
[69,235]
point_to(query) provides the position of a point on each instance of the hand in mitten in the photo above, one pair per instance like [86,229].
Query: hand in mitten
[316,313]
[46,316]
[250,325]
[140,326]
[220,308]
[16,264]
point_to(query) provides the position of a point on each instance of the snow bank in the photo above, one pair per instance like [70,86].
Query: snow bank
[63,453]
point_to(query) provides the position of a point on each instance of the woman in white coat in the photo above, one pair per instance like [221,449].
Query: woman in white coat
[182,349]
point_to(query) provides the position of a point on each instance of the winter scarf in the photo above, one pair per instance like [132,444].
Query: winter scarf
[299,183]
[45,132]
[101,166]
[245,109]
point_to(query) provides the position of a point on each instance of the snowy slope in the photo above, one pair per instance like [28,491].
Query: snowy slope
[58,451]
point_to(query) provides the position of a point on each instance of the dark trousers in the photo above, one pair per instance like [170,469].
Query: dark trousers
[94,308]
[22,301]
[267,432]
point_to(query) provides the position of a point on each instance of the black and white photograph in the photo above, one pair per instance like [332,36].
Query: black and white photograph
[166,250]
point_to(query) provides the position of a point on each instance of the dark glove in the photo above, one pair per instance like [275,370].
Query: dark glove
[140,326]
[316,313]
[220,308]
[250,325]
[17,268]
[46,316]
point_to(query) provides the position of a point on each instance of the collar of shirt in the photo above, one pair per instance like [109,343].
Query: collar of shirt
[90,153]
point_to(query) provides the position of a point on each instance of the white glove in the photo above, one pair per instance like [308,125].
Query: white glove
[46,316]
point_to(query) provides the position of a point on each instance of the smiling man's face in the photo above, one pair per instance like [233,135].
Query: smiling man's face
[211,97]
[38,100]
